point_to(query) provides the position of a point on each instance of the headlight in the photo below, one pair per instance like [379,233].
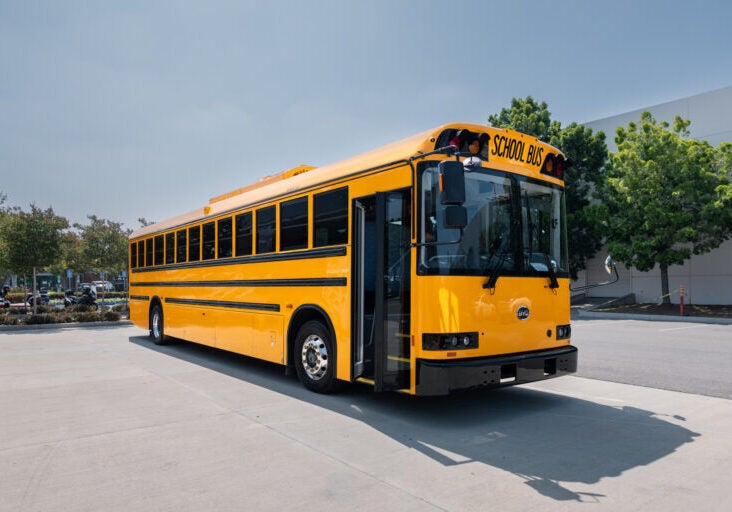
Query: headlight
[564,332]
[452,341]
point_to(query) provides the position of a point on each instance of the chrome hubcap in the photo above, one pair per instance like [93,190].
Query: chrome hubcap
[314,357]
[156,325]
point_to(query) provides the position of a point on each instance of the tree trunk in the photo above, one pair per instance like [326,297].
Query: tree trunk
[35,299]
[664,284]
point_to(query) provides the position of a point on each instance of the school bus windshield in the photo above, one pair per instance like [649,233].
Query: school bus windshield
[515,226]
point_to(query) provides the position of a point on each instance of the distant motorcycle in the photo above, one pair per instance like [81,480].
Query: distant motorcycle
[41,297]
[88,297]
[5,290]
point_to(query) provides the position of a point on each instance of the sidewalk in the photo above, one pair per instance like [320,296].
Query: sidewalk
[594,308]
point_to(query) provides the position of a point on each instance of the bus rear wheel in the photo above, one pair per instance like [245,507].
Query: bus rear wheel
[157,331]
[314,358]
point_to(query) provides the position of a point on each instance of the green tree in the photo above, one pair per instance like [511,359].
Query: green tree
[71,256]
[3,249]
[32,240]
[103,246]
[588,152]
[667,197]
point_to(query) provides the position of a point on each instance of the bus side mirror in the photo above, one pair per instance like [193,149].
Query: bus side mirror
[456,217]
[452,182]
[609,265]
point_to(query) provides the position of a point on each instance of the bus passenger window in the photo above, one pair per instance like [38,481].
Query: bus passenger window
[169,248]
[133,255]
[294,224]
[209,241]
[180,254]
[159,248]
[148,252]
[266,236]
[224,236]
[194,243]
[244,234]
[330,218]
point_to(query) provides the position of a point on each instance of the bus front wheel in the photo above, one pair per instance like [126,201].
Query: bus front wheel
[315,358]
[157,331]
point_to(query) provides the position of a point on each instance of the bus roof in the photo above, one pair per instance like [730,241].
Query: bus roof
[304,177]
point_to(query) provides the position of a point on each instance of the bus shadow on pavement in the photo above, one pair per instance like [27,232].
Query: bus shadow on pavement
[549,440]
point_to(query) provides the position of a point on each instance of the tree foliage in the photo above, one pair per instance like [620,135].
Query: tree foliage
[31,239]
[667,197]
[103,245]
[588,152]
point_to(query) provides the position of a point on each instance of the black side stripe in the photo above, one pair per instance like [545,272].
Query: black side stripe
[324,281]
[225,304]
[139,297]
[259,258]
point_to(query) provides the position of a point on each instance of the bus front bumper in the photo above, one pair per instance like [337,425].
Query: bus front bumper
[441,377]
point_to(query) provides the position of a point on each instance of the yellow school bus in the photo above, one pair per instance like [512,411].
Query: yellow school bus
[433,264]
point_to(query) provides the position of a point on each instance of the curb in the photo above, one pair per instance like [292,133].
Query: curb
[596,315]
[71,325]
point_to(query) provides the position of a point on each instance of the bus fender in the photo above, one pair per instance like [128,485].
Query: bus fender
[300,316]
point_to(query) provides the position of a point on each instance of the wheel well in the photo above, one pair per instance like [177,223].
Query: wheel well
[304,314]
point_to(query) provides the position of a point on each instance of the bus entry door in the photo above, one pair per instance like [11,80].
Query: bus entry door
[381,240]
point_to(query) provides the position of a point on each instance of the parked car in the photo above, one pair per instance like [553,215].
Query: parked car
[103,286]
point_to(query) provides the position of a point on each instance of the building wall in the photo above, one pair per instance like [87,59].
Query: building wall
[707,278]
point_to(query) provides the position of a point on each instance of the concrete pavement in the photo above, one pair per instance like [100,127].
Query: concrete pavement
[101,419]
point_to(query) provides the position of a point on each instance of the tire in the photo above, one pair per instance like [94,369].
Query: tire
[314,358]
[157,331]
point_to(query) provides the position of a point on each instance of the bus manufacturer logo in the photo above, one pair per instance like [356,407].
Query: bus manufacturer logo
[522,313]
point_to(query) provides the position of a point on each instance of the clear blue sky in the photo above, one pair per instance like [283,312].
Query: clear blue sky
[128,109]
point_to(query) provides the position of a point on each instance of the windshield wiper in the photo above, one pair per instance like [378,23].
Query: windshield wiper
[553,283]
[495,273]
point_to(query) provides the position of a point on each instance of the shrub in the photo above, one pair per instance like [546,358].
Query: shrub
[42,318]
[111,316]
[9,320]
[87,316]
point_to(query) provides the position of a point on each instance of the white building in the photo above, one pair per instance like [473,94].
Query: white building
[707,279]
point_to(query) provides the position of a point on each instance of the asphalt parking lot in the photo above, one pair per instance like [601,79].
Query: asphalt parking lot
[101,419]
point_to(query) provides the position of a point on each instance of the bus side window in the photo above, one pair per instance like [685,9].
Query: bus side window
[194,243]
[209,241]
[149,252]
[180,254]
[244,234]
[224,238]
[266,234]
[169,248]
[159,248]
[330,217]
[294,224]
[133,255]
